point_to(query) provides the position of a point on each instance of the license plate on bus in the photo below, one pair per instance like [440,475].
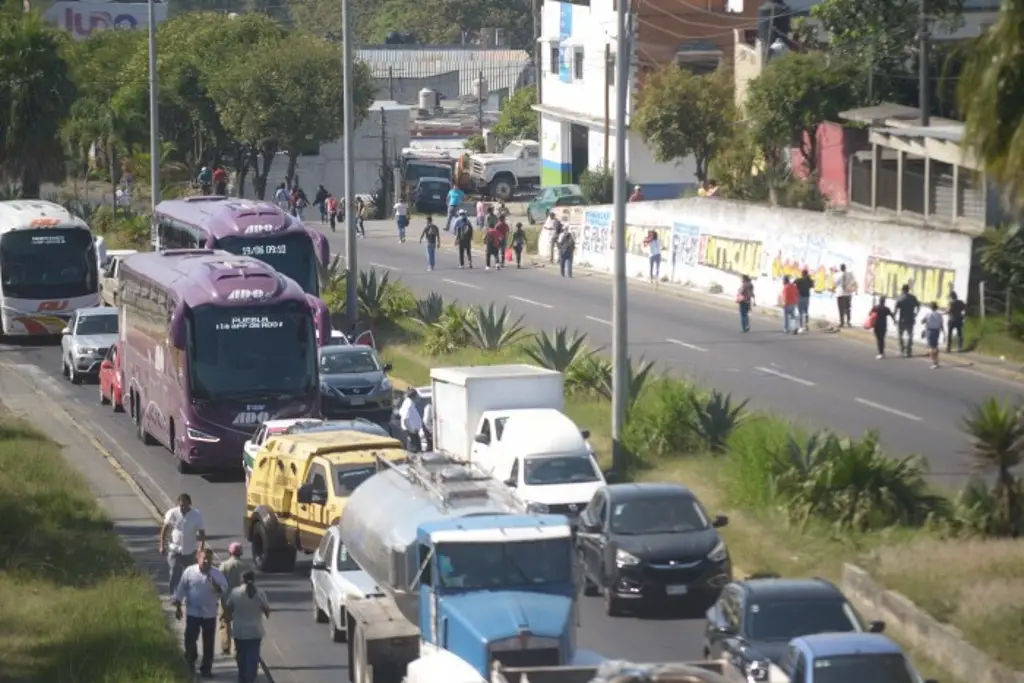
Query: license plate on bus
[675,590]
[357,401]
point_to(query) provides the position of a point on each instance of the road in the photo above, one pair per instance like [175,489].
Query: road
[820,380]
[296,649]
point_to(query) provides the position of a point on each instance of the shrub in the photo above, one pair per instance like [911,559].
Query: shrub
[333,276]
[559,351]
[713,417]
[430,309]
[658,426]
[588,374]
[752,448]
[492,330]
[597,185]
[449,333]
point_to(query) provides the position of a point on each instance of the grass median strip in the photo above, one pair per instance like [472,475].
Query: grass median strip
[73,606]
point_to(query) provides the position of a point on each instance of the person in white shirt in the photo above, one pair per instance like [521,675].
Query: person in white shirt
[428,428]
[182,534]
[654,254]
[410,421]
[844,287]
[552,229]
[934,327]
[401,218]
[200,590]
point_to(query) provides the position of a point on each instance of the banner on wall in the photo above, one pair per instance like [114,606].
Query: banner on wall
[886,277]
[597,232]
[684,247]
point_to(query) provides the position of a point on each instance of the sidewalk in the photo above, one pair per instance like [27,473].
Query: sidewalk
[136,520]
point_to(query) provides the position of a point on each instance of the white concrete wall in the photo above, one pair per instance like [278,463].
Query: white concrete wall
[711,242]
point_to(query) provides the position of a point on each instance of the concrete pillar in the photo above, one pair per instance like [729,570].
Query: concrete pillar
[899,181]
[876,158]
[927,186]
[956,193]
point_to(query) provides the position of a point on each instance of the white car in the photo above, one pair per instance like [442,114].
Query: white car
[336,578]
[263,432]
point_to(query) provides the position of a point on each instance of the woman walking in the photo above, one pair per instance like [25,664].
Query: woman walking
[878,320]
[745,299]
[246,607]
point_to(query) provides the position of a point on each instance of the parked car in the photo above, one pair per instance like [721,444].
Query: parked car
[430,195]
[847,658]
[337,578]
[395,423]
[110,284]
[266,430]
[752,622]
[549,198]
[85,341]
[110,379]
[354,383]
[648,543]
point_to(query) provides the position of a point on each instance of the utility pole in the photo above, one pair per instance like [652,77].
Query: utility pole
[154,131]
[480,101]
[924,77]
[607,100]
[384,160]
[352,280]
[620,341]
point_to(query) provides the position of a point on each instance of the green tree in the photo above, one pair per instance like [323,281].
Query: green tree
[879,37]
[36,95]
[442,22]
[518,120]
[791,98]
[991,95]
[681,115]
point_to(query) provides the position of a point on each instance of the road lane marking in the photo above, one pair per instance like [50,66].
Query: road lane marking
[692,347]
[782,375]
[530,301]
[385,266]
[597,320]
[460,284]
[887,409]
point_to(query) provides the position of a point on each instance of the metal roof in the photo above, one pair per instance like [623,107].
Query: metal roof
[880,113]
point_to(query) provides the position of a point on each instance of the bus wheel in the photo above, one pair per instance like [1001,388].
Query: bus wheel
[144,436]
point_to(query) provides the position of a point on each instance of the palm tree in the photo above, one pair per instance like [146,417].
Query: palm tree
[991,98]
[996,431]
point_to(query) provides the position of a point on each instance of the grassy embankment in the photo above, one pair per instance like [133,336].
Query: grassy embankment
[975,584]
[73,607]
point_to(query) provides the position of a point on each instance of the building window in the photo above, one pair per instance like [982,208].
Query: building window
[577,64]
[609,70]
[554,59]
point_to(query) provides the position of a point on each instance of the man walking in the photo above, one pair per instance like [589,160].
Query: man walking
[232,569]
[433,236]
[845,287]
[957,309]
[566,252]
[804,287]
[933,325]
[790,300]
[907,307]
[464,239]
[182,534]
[454,200]
[492,242]
[410,421]
[552,230]
[200,591]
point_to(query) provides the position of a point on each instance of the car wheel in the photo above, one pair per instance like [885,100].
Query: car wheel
[590,588]
[321,616]
[63,365]
[72,375]
[337,635]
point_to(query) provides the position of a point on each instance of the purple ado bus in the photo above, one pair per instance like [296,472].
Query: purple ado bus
[247,228]
[213,345]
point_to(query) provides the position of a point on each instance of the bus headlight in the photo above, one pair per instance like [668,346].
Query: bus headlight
[197,435]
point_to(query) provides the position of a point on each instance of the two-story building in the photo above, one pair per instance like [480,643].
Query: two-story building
[577,89]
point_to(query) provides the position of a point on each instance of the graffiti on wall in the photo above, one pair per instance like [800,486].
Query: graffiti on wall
[636,235]
[597,232]
[685,246]
[929,283]
[810,253]
[730,255]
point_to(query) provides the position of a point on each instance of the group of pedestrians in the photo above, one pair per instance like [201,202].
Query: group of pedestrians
[213,182]
[501,243]
[199,591]
[560,242]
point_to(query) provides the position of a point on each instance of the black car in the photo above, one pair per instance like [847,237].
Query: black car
[354,383]
[651,543]
[431,195]
[753,621]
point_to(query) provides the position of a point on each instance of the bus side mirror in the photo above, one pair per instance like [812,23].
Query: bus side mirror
[178,327]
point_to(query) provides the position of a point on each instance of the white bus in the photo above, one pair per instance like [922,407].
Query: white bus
[48,267]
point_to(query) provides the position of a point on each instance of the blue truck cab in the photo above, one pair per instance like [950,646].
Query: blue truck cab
[848,658]
[499,588]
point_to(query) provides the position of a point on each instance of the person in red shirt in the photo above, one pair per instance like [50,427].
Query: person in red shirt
[502,228]
[220,181]
[790,299]
[637,196]
[492,240]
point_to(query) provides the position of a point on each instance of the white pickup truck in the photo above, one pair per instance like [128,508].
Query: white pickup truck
[499,175]
[508,420]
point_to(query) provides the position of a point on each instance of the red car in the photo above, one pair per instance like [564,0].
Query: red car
[110,378]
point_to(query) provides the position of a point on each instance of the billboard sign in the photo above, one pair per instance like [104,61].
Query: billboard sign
[83,18]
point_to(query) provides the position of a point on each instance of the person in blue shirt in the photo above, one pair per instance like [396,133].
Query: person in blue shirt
[455,198]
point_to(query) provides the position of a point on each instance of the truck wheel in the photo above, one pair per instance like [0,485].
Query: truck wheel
[503,187]
[359,667]
[337,635]
[266,557]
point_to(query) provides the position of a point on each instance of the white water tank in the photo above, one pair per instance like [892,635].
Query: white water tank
[480,91]
[427,99]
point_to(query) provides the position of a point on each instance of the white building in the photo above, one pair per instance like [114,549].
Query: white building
[577,102]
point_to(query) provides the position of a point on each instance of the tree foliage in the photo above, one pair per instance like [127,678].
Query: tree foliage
[681,115]
[518,120]
[792,97]
[36,96]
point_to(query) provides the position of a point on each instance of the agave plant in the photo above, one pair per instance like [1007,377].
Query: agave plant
[557,352]
[638,378]
[449,333]
[333,275]
[589,373]
[373,293]
[996,431]
[490,329]
[430,309]
[713,419]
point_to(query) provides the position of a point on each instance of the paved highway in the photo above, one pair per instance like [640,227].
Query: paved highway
[821,380]
[296,649]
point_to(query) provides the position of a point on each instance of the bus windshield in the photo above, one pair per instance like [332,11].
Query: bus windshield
[290,254]
[55,263]
[251,353]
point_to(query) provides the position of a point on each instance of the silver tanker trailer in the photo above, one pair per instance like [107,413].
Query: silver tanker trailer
[470,578]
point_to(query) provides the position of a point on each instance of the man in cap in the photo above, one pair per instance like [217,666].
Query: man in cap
[232,569]
[464,238]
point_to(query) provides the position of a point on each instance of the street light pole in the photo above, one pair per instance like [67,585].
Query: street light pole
[352,280]
[154,129]
[620,341]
